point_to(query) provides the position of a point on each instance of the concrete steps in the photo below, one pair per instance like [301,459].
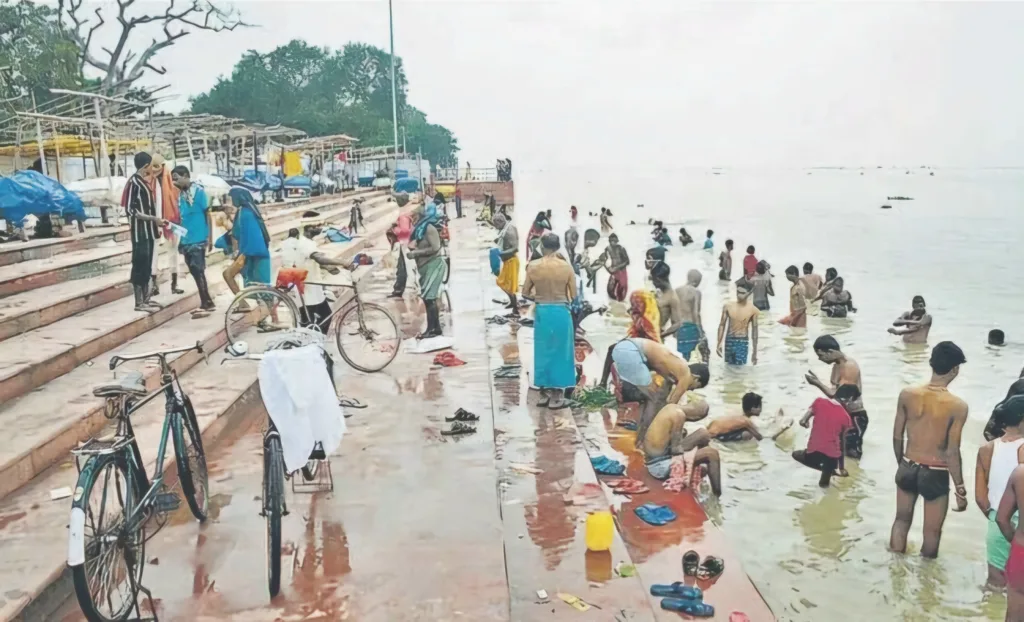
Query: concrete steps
[59,413]
[50,299]
[17,252]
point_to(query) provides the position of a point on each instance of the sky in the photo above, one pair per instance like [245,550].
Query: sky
[665,84]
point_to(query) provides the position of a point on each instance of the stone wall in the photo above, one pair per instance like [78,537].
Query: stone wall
[503,191]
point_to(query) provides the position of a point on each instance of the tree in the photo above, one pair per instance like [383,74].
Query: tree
[122,66]
[35,54]
[321,92]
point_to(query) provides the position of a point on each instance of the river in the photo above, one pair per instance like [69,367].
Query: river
[815,554]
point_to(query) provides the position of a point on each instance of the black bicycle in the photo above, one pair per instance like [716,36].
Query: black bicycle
[114,498]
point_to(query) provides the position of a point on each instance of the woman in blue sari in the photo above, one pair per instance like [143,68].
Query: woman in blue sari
[426,250]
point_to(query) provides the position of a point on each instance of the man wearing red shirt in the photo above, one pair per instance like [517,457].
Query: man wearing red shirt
[750,264]
[825,445]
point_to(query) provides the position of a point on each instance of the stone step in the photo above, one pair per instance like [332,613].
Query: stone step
[89,262]
[47,434]
[17,252]
[41,306]
[31,359]
[33,529]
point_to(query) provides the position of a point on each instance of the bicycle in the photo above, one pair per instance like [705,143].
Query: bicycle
[95,548]
[372,326]
[274,506]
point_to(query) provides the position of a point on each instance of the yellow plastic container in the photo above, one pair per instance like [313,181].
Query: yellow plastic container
[600,531]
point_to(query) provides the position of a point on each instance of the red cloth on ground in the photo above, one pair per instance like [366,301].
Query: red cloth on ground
[683,474]
[830,421]
[448,359]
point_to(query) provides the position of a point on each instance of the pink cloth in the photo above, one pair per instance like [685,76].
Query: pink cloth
[682,474]
[830,421]
[404,229]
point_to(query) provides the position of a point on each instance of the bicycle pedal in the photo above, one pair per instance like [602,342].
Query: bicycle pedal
[166,502]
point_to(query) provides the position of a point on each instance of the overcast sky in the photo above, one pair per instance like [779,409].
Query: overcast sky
[559,83]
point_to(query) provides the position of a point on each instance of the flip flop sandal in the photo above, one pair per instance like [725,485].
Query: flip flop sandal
[738,616]
[463,415]
[690,607]
[350,402]
[545,403]
[631,487]
[457,428]
[691,562]
[678,590]
[711,568]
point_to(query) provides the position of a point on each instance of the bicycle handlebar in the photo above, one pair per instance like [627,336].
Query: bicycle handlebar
[117,359]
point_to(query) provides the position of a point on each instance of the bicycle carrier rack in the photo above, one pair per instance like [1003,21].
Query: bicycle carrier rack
[323,481]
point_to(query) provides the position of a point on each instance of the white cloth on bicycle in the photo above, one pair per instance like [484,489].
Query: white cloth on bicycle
[298,253]
[301,401]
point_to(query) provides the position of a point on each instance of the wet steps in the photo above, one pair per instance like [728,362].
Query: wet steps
[33,534]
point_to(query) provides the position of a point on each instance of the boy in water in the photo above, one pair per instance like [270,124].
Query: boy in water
[996,461]
[812,282]
[737,317]
[725,262]
[914,324]
[709,244]
[741,427]
[931,419]
[845,370]
[825,444]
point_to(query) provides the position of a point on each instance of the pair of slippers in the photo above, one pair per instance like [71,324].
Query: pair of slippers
[627,486]
[546,403]
[654,514]
[711,568]
[460,423]
[688,599]
[604,465]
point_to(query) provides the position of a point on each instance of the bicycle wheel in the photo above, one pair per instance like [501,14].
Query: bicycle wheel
[273,508]
[258,313]
[367,337]
[191,461]
[103,551]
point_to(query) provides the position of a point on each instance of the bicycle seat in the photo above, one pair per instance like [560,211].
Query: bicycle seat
[130,383]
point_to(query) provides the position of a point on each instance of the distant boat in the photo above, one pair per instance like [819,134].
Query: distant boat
[900,198]
[886,207]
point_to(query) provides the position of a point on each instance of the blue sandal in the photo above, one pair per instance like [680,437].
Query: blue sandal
[678,590]
[694,608]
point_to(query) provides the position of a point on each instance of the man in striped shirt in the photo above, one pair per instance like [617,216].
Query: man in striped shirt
[142,222]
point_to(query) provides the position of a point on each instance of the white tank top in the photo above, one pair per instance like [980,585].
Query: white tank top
[1004,460]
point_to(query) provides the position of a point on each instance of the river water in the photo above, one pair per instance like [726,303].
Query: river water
[819,555]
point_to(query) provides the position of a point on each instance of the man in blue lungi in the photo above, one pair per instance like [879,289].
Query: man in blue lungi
[551,283]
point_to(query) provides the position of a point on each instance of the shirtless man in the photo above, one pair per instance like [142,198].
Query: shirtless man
[812,282]
[691,330]
[667,437]
[634,360]
[737,317]
[617,261]
[1010,506]
[797,317]
[931,419]
[741,427]
[669,307]
[835,301]
[725,262]
[915,324]
[845,370]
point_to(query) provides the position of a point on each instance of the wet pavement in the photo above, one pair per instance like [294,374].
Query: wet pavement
[422,526]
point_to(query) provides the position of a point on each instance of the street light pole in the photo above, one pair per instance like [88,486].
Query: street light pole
[405,150]
[394,93]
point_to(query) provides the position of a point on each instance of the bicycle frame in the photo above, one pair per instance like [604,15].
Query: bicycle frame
[337,310]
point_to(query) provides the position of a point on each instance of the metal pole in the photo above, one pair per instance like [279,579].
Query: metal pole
[56,147]
[191,159]
[405,150]
[39,139]
[394,93]
[104,162]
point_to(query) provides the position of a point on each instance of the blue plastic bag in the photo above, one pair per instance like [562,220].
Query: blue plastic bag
[29,192]
[495,261]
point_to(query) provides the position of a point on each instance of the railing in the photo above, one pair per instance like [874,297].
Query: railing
[465,174]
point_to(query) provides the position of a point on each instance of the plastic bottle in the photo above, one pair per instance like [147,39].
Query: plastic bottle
[600,531]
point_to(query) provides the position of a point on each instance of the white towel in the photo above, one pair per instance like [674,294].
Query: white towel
[300,399]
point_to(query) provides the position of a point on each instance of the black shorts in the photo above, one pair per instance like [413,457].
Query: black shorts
[735,435]
[834,311]
[918,479]
[816,460]
[855,436]
[630,393]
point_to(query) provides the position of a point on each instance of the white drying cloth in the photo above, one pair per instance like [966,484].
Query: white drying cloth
[300,399]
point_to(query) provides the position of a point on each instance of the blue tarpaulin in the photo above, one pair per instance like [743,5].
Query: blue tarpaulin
[257,181]
[298,181]
[29,192]
[407,185]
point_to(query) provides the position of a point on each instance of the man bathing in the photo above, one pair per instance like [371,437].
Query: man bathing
[634,360]
[691,331]
[617,261]
[669,308]
[915,324]
[845,370]
[741,427]
[761,284]
[931,419]
[825,444]
[738,318]
[835,301]
[667,437]
[551,283]
[725,262]
[812,282]
[797,317]
[996,461]
[709,243]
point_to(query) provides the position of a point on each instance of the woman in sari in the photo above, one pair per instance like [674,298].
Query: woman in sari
[250,241]
[426,250]
[646,318]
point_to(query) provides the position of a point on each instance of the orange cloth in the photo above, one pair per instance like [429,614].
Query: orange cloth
[169,195]
[643,307]
[286,277]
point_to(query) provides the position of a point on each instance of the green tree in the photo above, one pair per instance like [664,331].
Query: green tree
[35,54]
[321,91]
